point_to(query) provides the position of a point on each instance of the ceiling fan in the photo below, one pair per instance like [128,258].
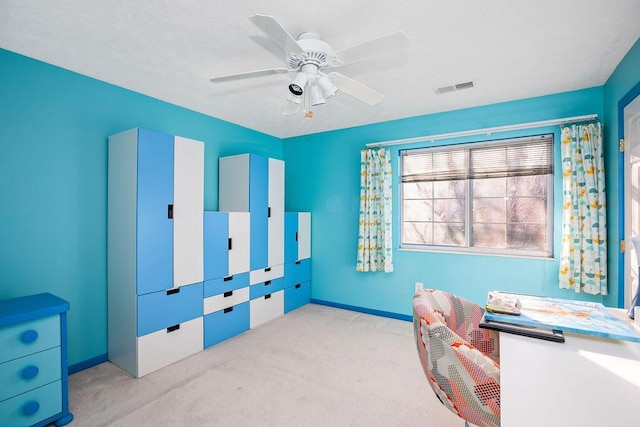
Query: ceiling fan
[310,58]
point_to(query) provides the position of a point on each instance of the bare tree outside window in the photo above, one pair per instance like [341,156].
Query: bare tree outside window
[490,197]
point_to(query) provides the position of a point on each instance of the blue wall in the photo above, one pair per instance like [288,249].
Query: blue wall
[323,177]
[53,182]
[53,162]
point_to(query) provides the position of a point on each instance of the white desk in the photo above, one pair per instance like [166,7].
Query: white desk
[585,381]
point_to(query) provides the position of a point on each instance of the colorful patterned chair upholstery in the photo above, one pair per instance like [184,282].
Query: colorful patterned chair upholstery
[459,359]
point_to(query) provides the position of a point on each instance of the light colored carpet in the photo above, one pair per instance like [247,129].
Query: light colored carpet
[316,366]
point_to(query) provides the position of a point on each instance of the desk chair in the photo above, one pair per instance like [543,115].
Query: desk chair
[459,359]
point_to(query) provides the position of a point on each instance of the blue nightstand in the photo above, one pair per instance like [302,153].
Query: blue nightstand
[33,361]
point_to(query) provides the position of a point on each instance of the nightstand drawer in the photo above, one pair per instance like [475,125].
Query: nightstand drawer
[29,372]
[33,406]
[29,337]
[159,310]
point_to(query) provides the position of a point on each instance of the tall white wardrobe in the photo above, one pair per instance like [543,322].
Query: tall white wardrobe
[155,246]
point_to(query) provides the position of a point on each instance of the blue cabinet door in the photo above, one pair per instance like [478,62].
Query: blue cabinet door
[258,206]
[154,254]
[290,237]
[216,245]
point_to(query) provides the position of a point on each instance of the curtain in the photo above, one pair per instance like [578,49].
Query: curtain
[583,260]
[374,232]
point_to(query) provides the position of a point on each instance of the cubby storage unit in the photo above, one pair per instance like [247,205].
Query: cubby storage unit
[155,249]
[33,361]
[297,268]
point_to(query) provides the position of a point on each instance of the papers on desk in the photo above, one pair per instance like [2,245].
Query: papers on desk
[503,303]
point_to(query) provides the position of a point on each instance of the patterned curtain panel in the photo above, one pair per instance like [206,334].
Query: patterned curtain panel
[374,234]
[583,262]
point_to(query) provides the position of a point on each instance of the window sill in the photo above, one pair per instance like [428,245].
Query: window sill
[459,251]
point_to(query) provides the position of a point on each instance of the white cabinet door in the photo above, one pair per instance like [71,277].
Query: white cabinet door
[276,219]
[304,235]
[188,208]
[240,240]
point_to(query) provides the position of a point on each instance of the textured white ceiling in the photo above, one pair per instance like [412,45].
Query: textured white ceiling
[168,49]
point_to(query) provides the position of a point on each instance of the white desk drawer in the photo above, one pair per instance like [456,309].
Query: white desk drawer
[225,300]
[264,274]
[29,337]
[265,308]
[164,347]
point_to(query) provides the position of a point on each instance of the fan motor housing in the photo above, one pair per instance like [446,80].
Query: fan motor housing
[316,52]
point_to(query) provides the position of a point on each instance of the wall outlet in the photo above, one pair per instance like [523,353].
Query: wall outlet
[419,286]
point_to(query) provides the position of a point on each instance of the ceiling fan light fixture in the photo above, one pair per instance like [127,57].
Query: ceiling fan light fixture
[297,85]
[327,87]
[316,95]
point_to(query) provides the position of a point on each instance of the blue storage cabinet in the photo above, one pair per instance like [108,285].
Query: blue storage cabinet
[297,268]
[255,184]
[226,270]
[33,361]
[155,249]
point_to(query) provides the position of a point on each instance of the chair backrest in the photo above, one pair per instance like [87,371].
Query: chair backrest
[456,355]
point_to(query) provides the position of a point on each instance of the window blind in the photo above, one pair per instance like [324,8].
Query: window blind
[527,156]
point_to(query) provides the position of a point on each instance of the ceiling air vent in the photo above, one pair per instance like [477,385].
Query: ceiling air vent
[455,87]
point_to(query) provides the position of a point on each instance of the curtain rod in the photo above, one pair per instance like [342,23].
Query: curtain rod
[487,131]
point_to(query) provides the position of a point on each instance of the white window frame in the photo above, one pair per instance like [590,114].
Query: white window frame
[466,247]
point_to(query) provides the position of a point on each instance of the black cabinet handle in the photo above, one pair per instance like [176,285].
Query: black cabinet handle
[228,294]
[298,286]
[267,269]
[267,296]
[173,291]
[228,310]
[170,211]
[230,243]
[173,328]
[296,236]
[269,212]
[267,283]
[226,279]
[298,262]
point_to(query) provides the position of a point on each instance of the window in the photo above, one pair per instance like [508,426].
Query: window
[488,197]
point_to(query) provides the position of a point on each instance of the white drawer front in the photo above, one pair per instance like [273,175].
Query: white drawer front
[265,308]
[260,276]
[220,301]
[163,348]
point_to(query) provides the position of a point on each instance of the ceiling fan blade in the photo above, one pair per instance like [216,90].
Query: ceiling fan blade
[356,89]
[271,27]
[392,41]
[249,74]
